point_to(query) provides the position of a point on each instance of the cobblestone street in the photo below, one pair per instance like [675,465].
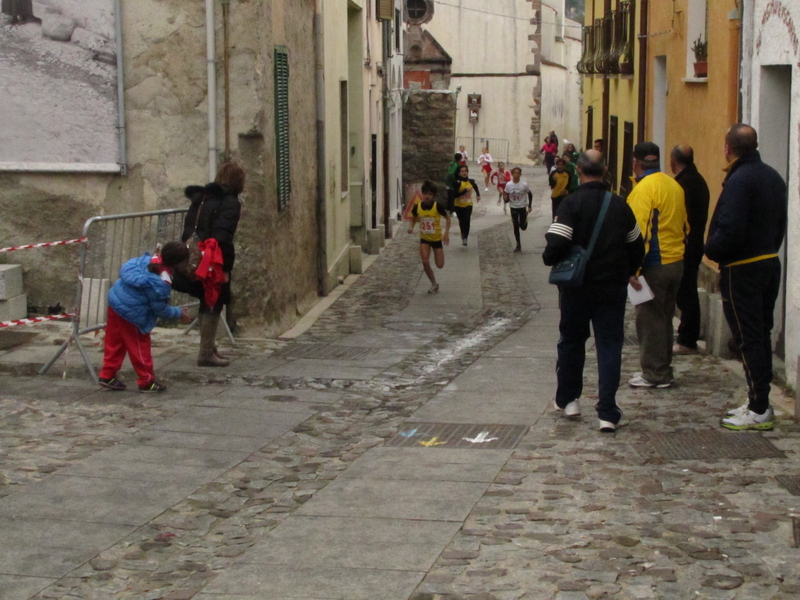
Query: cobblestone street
[403,448]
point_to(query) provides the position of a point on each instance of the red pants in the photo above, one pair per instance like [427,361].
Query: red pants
[123,337]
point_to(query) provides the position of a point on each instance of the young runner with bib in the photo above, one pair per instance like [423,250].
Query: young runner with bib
[429,214]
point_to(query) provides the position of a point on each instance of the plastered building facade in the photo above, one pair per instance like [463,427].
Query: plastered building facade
[286,255]
[771,103]
[514,54]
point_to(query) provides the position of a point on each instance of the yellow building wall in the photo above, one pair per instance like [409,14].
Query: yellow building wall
[697,113]
[623,93]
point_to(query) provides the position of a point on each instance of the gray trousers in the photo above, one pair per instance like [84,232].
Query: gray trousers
[654,321]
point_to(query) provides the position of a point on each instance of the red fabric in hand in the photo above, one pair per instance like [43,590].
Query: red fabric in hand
[209,271]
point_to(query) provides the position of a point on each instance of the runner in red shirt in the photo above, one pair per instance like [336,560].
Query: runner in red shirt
[500,178]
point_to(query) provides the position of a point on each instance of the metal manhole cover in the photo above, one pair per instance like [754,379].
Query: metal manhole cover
[712,445]
[791,483]
[326,352]
[455,435]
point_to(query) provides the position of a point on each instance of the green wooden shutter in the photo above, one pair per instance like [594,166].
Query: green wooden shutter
[284,179]
[384,10]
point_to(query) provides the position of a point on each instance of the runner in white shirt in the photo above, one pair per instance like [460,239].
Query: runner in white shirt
[516,194]
[485,160]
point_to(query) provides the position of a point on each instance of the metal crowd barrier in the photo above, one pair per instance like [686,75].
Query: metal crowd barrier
[109,242]
[499,149]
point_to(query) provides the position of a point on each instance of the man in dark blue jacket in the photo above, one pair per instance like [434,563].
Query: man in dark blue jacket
[600,301]
[695,191]
[745,235]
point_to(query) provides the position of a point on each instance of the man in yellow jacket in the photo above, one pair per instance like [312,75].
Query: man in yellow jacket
[657,201]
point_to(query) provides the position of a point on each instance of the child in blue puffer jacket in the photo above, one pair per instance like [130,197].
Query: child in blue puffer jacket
[135,301]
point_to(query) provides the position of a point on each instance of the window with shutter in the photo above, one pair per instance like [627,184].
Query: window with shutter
[283,169]
[384,10]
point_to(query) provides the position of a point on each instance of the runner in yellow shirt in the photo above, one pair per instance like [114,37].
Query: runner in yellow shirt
[429,213]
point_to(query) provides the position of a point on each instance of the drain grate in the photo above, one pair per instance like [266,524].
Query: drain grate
[713,445]
[631,340]
[326,352]
[791,483]
[454,435]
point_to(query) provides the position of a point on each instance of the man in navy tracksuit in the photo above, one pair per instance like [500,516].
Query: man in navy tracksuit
[745,235]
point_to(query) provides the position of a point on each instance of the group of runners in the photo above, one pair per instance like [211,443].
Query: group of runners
[513,194]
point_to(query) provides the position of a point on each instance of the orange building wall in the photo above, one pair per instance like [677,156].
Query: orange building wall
[698,114]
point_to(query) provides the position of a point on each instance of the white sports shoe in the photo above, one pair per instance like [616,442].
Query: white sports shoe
[607,426]
[739,410]
[750,420]
[573,409]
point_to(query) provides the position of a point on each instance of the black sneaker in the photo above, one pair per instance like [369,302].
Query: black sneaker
[152,388]
[111,383]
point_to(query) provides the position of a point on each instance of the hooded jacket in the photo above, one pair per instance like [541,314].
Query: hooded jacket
[141,297]
[219,211]
[749,222]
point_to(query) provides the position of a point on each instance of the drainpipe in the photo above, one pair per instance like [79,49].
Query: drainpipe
[123,145]
[226,68]
[211,63]
[319,80]
[642,72]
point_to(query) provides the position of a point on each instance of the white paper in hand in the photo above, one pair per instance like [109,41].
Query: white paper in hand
[640,296]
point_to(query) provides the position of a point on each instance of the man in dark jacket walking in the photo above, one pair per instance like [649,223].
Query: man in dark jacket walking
[745,235]
[618,252]
[695,191]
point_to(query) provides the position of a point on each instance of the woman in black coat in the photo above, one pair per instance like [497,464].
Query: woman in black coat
[20,11]
[214,214]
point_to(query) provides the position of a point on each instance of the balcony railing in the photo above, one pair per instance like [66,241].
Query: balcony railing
[608,43]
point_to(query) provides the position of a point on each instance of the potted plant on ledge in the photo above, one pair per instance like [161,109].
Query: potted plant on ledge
[700,49]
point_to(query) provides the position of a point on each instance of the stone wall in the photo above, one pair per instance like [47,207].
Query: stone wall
[166,113]
[429,118]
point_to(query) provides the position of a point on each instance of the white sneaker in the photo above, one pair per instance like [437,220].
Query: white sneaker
[750,420]
[638,381]
[738,411]
[607,426]
[573,409]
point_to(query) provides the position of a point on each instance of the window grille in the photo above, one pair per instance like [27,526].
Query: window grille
[283,166]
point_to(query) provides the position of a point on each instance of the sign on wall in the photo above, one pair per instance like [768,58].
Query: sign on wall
[58,86]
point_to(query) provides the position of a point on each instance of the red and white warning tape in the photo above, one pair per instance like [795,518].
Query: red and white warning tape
[45,244]
[34,320]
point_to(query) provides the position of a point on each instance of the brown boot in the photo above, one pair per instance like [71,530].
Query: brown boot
[208,333]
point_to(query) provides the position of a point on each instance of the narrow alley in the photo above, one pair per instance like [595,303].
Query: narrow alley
[401,446]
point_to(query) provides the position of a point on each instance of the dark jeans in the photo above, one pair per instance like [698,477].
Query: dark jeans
[602,305]
[451,198]
[654,321]
[689,304]
[749,293]
[555,203]
[193,287]
[519,217]
[464,214]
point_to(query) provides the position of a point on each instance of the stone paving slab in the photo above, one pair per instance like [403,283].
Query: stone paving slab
[238,444]
[477,407]
[354,543]
[313,368]
[391,338]
[499,375]
[41,561]
[100,466]
[407,463]
[15,587]
[408,499]
[94,500]
[173,456]
[43,532]
[227,421]
[278,582]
